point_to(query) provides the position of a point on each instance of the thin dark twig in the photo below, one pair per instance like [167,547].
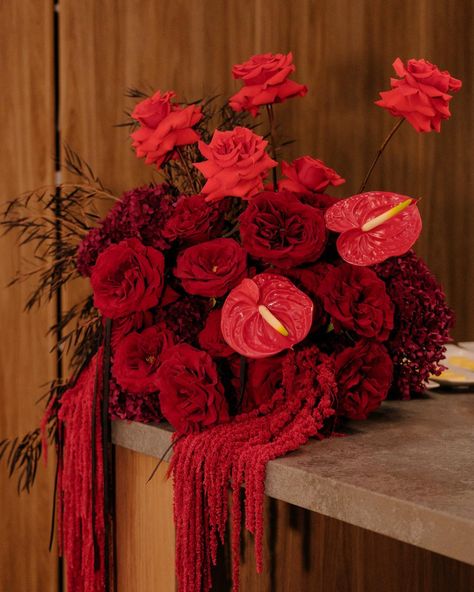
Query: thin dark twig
[271,122]
[379,153]
[162,458]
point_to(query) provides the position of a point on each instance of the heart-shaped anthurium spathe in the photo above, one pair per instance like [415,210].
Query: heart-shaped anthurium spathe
[374,226]
[265,315]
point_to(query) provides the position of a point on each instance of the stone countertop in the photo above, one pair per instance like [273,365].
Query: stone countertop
[407,472]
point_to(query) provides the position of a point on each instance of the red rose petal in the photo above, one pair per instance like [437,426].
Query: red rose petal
[391,238]
[244,328]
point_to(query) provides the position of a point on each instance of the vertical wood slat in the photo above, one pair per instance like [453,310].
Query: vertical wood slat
[144,525]
[26,160]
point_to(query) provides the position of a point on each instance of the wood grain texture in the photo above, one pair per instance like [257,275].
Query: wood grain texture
[343,51]
[26,157]
[144,528]
[309,552]
[303,551]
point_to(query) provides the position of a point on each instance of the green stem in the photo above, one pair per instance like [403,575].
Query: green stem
[380,152]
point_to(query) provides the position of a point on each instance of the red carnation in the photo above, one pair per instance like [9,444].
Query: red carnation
[211,268]
[191,395]
[164,126]
[363,375]
[237,163]
[357,300]
[307,175]
[420,95]
[127,278]
[265,78]
[138,357]
[192,220]
[211,338]
[279,229]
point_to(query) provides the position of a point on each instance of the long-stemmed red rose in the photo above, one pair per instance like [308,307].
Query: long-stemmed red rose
[164,127]
[236,165]
[266,81]
[420,94]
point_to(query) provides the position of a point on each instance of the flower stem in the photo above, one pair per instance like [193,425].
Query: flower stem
[271,122]
[380,152]
[184,162]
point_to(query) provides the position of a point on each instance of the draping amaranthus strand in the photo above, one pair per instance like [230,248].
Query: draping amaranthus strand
[205,465]
[78,508]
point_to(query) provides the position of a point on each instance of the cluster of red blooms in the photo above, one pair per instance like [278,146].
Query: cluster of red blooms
[251,334]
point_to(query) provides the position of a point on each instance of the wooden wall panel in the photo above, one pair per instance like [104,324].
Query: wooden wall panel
[26,160]
[343,52]
[145,529]
[303,551]
[308,552]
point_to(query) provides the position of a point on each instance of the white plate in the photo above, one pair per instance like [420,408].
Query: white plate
[460,367]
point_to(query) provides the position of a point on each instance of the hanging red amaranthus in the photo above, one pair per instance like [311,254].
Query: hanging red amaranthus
[81,482]
[235,454]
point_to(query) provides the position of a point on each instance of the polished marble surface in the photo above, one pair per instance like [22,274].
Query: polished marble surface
[408,472]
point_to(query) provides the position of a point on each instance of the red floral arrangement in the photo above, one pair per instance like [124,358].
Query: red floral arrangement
[248,308]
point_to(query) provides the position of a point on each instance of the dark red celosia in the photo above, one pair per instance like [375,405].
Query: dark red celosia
[80,490]
[140,213]
[238,452]
[423,321]
[142,407]
[185,317]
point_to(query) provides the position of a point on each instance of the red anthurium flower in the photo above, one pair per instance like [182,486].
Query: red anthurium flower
[374,226]
[265,315]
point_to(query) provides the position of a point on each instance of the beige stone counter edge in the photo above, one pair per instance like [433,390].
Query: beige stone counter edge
[430,529]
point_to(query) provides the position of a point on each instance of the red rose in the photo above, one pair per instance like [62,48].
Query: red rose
[265,79]
[363,375]
[211,268]
[164,126]
[279,229]
[192,220]
[211,338]
[236,164]
[420,95]
[138,357]
[307,175]
[264,377]
[127,278]
[357,300]
[125,325]
[191,395]
[308,279]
